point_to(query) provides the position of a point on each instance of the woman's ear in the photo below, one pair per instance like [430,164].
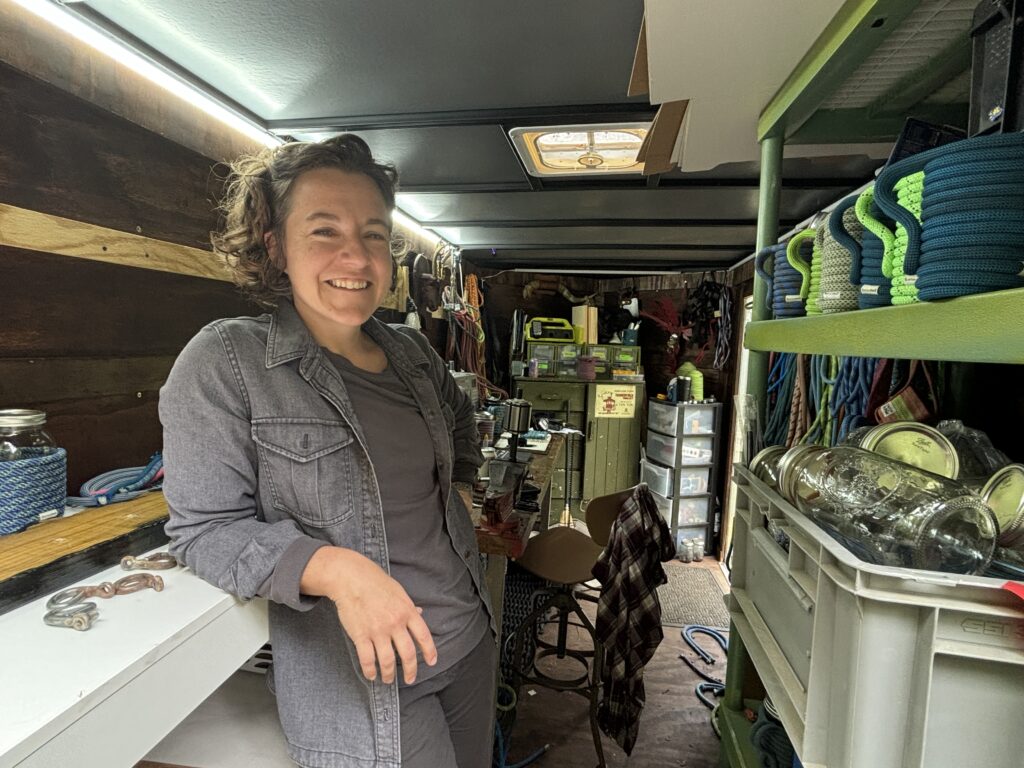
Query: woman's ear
[270,242]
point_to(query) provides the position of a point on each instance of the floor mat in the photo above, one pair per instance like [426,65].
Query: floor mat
[692,596]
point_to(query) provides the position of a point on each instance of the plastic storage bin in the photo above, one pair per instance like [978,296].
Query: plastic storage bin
[691,480]
[662,417]
[696,450]
[659,479]
[661,449]
[693,510]
[872,666]
[698,420]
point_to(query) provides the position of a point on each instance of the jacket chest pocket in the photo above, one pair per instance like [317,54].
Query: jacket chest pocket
[308,465]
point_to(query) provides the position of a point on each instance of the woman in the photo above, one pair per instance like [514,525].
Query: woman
[313,457]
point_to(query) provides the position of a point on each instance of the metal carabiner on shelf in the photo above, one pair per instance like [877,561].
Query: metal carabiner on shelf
[79,616]
[123,586]
[156,562]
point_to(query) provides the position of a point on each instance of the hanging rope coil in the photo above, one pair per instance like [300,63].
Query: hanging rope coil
[839,249]
[971,230]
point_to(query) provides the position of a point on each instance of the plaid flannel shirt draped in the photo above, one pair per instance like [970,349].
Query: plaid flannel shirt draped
[628,612]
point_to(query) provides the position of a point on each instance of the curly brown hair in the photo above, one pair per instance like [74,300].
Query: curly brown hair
[256,201]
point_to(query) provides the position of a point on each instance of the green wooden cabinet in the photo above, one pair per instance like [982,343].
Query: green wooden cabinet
[610,415]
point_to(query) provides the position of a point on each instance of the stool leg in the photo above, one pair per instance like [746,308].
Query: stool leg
[563,631]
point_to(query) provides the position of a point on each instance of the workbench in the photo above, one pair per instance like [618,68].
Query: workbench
[108,695]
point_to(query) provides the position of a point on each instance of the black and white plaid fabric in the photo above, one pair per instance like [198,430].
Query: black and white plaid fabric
[628,612]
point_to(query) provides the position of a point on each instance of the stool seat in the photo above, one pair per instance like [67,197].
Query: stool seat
[562,555]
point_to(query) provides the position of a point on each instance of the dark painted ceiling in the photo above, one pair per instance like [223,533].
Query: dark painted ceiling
[435,88]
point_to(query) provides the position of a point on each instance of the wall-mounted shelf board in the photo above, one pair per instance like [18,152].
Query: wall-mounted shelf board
[983,328]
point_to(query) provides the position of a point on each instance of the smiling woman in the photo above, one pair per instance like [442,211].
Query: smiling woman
[315,457]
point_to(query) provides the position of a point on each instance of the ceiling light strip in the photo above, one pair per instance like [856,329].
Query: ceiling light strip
[102,41]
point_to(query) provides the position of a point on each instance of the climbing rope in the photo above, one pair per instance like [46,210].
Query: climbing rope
[971,231]
[814,283]
[845,232]
[120,484]
[787,284]
[866,266]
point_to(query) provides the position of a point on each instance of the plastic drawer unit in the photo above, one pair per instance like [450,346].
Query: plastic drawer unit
[659,479]
[872,666]
[687,449]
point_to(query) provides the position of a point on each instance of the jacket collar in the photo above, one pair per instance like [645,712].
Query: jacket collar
[290,339]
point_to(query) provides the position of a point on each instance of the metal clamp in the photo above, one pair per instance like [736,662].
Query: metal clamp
[79,616]
[123,586]
[157,562]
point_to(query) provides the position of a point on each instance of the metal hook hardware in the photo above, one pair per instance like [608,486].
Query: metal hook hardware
[156,562]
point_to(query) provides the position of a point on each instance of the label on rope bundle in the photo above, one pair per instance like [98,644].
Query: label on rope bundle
[869,290]
[831,295]
[910,279]
[793,298]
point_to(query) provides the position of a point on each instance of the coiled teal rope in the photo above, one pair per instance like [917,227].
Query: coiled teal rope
[866,267]
[970,237]
[786,285]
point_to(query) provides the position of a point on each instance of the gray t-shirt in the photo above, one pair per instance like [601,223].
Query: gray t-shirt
[420,551]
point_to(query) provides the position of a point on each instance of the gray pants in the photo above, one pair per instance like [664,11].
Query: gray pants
[447,720]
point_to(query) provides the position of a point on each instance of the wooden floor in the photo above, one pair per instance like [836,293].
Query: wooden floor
[674,729]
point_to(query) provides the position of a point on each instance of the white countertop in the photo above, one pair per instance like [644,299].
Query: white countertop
[149,659]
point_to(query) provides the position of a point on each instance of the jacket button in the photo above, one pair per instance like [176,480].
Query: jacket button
[466,554]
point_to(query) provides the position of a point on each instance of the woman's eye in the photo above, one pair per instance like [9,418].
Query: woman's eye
[323,232]
[376,236]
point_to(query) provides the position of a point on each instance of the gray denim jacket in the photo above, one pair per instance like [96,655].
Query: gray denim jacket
[265,463]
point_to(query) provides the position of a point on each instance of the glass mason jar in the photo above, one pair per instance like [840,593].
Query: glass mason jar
[765,465]
[22,435]
[891,513]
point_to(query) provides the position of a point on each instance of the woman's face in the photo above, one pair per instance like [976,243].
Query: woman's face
[337,249]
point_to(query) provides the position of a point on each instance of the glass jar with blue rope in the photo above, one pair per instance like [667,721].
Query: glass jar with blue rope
[33,470]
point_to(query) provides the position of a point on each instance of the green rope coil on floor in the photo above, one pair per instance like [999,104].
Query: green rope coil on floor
[969,234]
[840,246]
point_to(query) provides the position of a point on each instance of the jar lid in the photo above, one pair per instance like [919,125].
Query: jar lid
[915,444]
[21,417]
[1004,494]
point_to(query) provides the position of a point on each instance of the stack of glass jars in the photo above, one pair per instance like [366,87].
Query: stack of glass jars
[887,512]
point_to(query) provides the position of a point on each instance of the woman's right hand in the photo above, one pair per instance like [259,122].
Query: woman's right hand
[374,610]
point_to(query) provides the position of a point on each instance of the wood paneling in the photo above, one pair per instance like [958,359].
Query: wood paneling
[44,232]
[56,306]
[61,155]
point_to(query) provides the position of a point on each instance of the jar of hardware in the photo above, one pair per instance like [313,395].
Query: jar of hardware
[33,471]
[890,513]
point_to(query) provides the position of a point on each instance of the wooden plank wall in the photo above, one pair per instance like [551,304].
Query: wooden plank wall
[89,342]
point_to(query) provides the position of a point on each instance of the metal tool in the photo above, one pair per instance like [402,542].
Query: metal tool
[79,616]
[157,562]
[105,590]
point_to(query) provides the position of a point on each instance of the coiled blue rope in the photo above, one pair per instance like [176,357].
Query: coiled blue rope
[850,395]
[32,487]
[972,216]
[120,484]
[785,294]
[781,380]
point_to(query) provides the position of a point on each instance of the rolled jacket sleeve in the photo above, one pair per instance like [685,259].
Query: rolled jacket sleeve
[210,482]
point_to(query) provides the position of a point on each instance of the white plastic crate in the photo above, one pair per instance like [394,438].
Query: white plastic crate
[659,479]
[662,417]
[698,420]
[691,480]
[664,507]
[872,666]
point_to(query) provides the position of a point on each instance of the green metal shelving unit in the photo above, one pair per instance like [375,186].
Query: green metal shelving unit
[988,328]
[973,329]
